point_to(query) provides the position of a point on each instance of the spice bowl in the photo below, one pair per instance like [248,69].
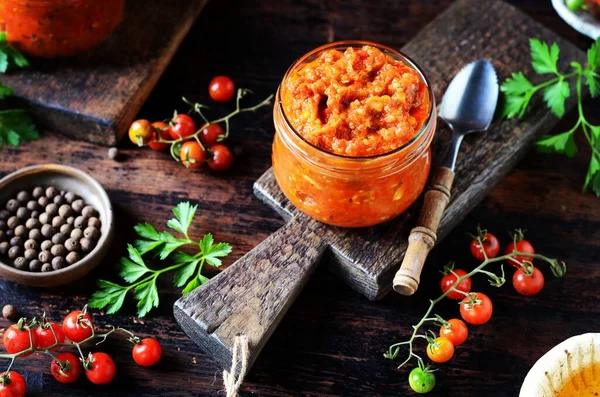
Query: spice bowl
[71,180]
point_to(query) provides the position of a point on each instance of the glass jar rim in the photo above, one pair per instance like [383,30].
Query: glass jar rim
[359,43]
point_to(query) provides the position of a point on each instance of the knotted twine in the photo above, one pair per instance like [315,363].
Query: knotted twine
[233,380]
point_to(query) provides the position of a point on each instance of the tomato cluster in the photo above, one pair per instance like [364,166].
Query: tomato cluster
[22,339]
[191,146]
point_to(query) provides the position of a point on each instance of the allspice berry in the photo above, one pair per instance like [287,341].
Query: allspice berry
[52,210]
[78,205]
[87,244]
[45,257]
[73,257]
[9,312]
[57,222]
[95,222]
[88,211]
[44,218]
[36,234]
[16,241]
[46,267]
[59,250]
[15,252]
[65,211]
[21,231]
[43,201]
[92,233]
[77,234]
[38,192]
[4,215]
[46,245]
[70,197]
[31,244]
[72,245]
[32,205]
[59,200]
[35,214]
[3,225]
[4,247]
[30,254]
[32,223]
[70,220]
[23,197]
[48,231]
[35,266]
[66,229]
[13,222]
[51,192]
[21,263]
[12,205]
[58,263]
[80,222]
[23,213]
[59,238]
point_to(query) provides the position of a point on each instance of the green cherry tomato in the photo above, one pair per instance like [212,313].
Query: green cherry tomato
[421,381]
[575,5]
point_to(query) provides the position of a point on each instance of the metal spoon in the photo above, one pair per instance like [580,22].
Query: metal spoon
[467,106]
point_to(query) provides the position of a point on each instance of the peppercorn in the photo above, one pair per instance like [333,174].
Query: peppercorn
[15,252]
[46,267]
[36,234]
[16,241]
[23,196]
[46,245]
[59,238]
[70,220]
[66,229]
[35,214]
[4,247]
[30,254]
[33,205]
[58,263]
[80,222]
[13,222]
[57,222]
[59,200]
[59,250]
[73,257]
[4,215]
[44,218]
[21,231]
[78,205]
[21,263]
[87,244]
[23,213]
[52,209]
[31,244]
[45,257]
[92,233]
[65,211]
[33,224]
[70,197]
[43,201]
[72,245]
[77,234]
[12,205]
[9,312]
[38,192]
[51,192]
[35,265]
[88,211]
[48,231]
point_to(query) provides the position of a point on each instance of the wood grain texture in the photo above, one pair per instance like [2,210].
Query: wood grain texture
[94,96]
[331,340]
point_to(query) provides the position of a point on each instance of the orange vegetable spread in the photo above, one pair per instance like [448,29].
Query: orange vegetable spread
[51,28]
[360,102]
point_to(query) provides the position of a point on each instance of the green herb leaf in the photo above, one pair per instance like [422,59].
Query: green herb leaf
[184,214]
[171,244]
[146,230]
[183,274]
[593,170]
[9,55]
[5,91]
[131,271]
[544,59]
[109,295]
[16,126]
[195,283]
[556,95]
[516,105]
[592,80]
[561,143]
[145,246]
[211,253]
[147,295]
[517,84]
[593,55]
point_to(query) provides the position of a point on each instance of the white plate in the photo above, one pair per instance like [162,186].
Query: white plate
[583,22]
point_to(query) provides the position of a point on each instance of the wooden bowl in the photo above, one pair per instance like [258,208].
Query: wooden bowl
[69,179]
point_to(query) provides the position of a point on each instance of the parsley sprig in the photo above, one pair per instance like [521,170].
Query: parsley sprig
[15,124]
[518,91]
[141,279]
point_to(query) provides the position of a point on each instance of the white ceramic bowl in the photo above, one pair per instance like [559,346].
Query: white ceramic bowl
[582,21]
[550,373]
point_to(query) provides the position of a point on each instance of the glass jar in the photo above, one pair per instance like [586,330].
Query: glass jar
[350,191]
[55,28]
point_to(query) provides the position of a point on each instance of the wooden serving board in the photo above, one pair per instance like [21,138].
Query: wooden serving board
[252,295]
[94,96]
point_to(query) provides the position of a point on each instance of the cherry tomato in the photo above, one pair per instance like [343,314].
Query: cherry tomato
[12,384]
[16,339]
[222,158]
[528,284]
[521,245]
[450,279]
[489,244]
[78,327]
[575,5]
[192,154]
[160,129]
[140,132]
[456,331]
[421,381]
[479,313]
[210,135]
[100,368]
[46,338]
[441,350]
[147,352]
[66,368]
[181,125]
[221,88]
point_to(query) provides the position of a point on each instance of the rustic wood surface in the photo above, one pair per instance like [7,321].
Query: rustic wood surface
[331,341]
[95,95]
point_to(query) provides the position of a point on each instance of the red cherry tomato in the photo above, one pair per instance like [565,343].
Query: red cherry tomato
[12,384]
[479,313]
[192,155]
[528,284]
[211,134]
[221,89]
[489,244]
[16,339]
[181,125]
[222,158]
[450,279]
[160,129]
[66,368]
[78,327]
[521,245]
[100,368]
[46,338]
[147,352]
[456,331]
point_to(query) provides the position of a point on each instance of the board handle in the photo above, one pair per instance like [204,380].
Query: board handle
[423,237]
[252,295]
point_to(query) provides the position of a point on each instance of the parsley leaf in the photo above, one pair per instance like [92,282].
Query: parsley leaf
[147,296]
[195,283]
[132,270]
[9,55]
[593,176]
[593,55]
[561,143]
[184,213]
[544,58]
[5,91]
[110,295]
[212,252]
[592,80]
[16,126]
[556,95]
[517,84]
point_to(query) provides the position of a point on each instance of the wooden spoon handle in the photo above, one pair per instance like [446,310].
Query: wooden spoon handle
[252,295]
[423,237]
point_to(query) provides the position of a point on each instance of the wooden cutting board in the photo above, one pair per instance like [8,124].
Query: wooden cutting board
[252,295]
[95,96]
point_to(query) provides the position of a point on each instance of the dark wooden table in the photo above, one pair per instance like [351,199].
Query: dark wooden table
[332,340]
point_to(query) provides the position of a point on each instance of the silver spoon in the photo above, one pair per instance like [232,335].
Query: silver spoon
[467,106]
